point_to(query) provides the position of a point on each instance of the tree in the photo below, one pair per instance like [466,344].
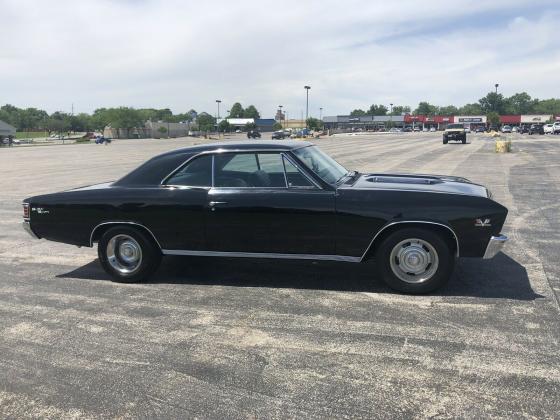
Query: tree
[357,113]
[377,110]
[470,109]
[251,112]
[448,110]
[401,110]
[314,123]
[205,121]
[493,118]
[277,126]
[250,126]
[236,111]
[521,103]
[547,106]
[224,126]
[424,108]
[493,102]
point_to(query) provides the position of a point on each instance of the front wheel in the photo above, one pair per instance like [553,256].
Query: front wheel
[128,255]
[445,140]
[415,260]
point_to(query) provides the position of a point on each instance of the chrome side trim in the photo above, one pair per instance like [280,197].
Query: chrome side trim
[27,227]
[494,246]
[411,221]
[261,255]
[122,223]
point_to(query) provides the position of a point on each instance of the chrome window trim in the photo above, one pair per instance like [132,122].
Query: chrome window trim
[411,221]
[121,222]
[272,255]
[305,174]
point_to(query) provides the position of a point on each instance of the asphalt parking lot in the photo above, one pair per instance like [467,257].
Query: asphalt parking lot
[236,338]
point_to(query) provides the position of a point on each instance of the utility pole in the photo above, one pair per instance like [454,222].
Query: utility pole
[281,116]
[391,116]
[218,101]
[306,103]
[321,114]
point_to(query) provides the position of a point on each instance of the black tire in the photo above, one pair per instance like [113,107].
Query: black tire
[465,139]
[445,260]
[149,261]
[445,140]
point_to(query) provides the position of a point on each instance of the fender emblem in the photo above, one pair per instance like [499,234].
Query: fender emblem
[40,210]
[482,223]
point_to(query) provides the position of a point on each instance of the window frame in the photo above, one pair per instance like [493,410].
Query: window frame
[284,155]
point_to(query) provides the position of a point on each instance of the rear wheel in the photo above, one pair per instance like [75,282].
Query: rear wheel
[464,139]
[128,255]
[415,260]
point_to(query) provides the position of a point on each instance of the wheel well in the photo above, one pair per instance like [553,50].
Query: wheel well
[443,230]
[100,230]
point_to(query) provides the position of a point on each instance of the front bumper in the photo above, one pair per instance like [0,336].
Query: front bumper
[27,227]
[495,245]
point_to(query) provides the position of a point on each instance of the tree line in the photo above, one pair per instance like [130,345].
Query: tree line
[33,119]
[495,103]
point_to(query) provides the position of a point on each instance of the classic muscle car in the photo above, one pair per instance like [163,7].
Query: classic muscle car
[274,200]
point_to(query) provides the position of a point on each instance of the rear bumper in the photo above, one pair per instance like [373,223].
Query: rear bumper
[27,227]
[495,245]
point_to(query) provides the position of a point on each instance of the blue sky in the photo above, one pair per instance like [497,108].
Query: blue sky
[186,54]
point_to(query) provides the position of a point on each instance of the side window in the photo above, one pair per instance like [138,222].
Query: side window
[197,173]
[296,179]
[249,170]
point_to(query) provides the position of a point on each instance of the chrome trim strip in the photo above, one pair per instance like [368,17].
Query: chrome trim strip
[411,221]
[121,223]
[495,245]
[213,152]
[27,227]
[261,255]
[411,190]
[299,168]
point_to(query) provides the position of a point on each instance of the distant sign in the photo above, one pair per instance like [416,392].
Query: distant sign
[535,118]
[469,119]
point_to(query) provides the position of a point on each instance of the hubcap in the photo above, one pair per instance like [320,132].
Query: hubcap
[414,260]
[124,254]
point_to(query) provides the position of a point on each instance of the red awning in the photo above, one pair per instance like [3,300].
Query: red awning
[510,119]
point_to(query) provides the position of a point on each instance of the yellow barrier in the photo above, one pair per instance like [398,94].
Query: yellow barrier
[503,146]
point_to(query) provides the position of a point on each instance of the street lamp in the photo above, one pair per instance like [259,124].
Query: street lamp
[280,107]
[496,86]
[306,102]
[218,101]
[391,116]
[321,114]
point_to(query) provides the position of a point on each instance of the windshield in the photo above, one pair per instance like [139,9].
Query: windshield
[322,164]
[455,126]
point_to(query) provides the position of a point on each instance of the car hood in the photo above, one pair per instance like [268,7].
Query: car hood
[421,183]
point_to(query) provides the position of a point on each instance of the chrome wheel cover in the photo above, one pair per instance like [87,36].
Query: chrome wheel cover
[414,260]
[124,254]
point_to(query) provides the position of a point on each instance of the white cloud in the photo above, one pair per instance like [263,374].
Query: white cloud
[184,54]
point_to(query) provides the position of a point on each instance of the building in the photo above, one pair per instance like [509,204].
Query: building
[6,130]
[262,124]
[156,130]
[363,122]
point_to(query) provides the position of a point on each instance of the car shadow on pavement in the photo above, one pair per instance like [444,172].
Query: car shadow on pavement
[501,277]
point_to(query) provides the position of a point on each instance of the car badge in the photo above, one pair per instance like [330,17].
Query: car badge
[482,223]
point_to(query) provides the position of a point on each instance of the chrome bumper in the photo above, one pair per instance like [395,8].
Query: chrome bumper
[27,227]
[495,245]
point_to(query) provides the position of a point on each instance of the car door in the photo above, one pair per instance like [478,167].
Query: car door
[183,204]
[263,203]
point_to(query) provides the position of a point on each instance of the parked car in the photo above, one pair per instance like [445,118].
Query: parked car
[536,129]
[253,134]
[480,129]
[275,200]
[556,127]
[467,128]
[506,129]
[432,130]
[102,140]
[455,132]
[395,130]
[514,129]
[279,135]
[548,129]
[415,129]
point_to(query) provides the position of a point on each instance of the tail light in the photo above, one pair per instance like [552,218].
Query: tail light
[26,211]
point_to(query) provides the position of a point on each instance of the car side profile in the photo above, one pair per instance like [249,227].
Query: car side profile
[275,200]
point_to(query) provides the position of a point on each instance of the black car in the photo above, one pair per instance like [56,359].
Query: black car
[276,200]
[536,129]
[278,135]
[480,129]
[253,134]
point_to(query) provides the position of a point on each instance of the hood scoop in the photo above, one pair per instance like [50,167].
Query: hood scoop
[392,179]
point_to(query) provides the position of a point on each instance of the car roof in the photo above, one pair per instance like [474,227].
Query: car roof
[278,145]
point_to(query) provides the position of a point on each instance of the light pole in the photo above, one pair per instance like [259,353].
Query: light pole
[496,86]
[391,116]
[321,114]
[281,115]
[218,101]
[306,103]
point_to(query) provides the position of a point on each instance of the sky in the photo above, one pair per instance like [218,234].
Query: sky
[186,54]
